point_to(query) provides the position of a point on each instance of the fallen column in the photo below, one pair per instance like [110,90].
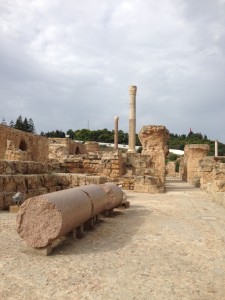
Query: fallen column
[45,218]
[115,195]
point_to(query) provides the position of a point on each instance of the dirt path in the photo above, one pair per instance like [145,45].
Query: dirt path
[167,246]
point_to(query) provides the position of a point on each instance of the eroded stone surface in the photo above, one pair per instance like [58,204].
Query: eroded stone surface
[153,139]
[192,155]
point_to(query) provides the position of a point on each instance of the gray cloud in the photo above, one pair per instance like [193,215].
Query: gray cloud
[64,63]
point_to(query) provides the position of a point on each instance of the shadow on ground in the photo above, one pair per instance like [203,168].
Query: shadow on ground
[177,185]
[109,234]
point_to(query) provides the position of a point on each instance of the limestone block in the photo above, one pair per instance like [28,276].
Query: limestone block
[148,184]
[115,166]
[82,179]
[219,185]
[91,146]
[9,183]
[7,199]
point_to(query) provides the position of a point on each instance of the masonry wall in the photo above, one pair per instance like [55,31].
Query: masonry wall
[105,163]
[23,145]
[193,153]
[211,171]
[33,179]
[153,139]
[62,148]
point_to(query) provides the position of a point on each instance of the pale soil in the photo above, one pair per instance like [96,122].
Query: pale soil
[167,246]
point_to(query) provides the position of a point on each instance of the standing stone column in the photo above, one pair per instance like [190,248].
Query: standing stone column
[132,119]
[116,121]
[216,147]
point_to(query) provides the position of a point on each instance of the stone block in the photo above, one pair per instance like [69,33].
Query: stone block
[13,209]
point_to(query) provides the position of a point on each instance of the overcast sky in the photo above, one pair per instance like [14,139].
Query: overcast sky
[69,63]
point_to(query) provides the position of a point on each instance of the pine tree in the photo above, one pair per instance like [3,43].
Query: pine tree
[19,123]
[31,126]
[25,125]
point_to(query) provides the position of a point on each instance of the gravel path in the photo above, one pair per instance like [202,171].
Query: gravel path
[165,246]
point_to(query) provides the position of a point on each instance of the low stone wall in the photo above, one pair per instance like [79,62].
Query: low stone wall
[38,184]
[148,184]
[23,167]
[34,178]
[211,172]
[61,148]
[105,163]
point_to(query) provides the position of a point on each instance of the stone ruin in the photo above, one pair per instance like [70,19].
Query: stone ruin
[192,155]
[206,172]
[35,165]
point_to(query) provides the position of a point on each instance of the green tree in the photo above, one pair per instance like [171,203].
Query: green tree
[31,127]
[25,125]
[70,132]
[19,123]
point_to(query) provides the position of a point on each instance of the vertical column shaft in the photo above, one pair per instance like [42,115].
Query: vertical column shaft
[132,119]
[116,121]
[216,147]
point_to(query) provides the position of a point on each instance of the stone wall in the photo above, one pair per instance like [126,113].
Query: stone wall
[211,171]
[171,169]
[62,148]
[192,155]
[154,143]
[32,179]
[19,145]
[105,163]
[92,146]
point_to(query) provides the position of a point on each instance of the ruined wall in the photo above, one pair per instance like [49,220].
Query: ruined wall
[154,139]
[19,145]
[192,155]
[105,163]
[92,146]
[211,171]
[62,148]
[171,169]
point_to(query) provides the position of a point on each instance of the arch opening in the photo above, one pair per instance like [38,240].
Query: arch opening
[23,145]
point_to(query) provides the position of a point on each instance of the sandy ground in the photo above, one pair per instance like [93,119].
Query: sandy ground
[167,246]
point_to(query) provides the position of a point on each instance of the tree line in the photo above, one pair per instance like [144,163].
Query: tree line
[179,141]
[100,135]
[21,124]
